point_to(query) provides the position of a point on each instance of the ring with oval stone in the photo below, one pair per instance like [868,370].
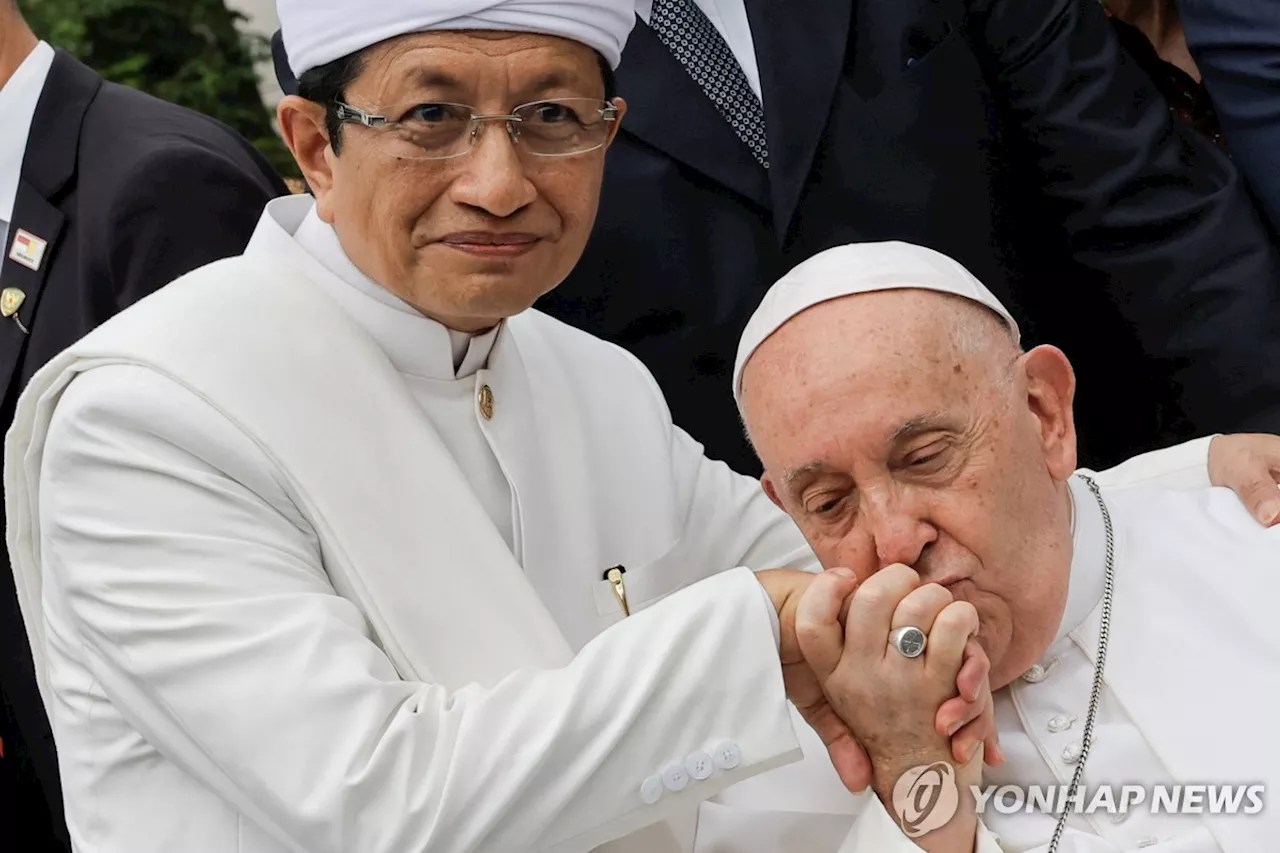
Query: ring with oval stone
[909,641]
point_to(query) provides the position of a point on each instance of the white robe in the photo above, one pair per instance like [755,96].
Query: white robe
[1191,680]
[269,613]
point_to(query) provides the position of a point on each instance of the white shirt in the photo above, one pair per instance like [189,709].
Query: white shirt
[1041,719]
[439,366]
[18,100]
[730,20]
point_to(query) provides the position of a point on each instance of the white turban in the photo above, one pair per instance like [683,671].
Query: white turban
[854,269]
[316,32]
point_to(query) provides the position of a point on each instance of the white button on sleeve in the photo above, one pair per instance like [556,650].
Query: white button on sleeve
[728,755]
[651,790]
[675,777]
[699,765]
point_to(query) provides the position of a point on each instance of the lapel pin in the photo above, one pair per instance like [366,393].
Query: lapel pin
[11,299]
[28,250]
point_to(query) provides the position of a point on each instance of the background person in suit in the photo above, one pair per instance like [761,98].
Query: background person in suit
[1151,31]
[1236,45]
[105,195]
[1014,137]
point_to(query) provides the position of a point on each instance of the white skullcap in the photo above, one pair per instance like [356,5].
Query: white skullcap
[316,32]
[854,269]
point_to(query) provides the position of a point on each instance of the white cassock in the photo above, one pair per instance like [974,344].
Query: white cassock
[1192,681]
[303,574]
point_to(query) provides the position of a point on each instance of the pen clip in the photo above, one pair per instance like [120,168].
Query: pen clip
[615,577]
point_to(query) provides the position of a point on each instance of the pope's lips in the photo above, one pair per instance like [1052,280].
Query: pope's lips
[491,243]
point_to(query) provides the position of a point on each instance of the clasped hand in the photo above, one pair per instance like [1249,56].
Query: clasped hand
[878,712]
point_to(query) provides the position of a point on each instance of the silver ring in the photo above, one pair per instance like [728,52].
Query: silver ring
[908,641]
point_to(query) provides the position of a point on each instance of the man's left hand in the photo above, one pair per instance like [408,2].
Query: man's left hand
[1249,465]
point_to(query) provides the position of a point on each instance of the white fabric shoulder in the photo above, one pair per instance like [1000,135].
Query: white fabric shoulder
[583,350]
[1184,467]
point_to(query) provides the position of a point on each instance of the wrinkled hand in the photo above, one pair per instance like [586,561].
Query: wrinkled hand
[817,604]
[888,702]
[1249,465]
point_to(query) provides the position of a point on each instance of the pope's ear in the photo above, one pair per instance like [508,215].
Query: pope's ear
[1051,388]
[766,483]
[302,124]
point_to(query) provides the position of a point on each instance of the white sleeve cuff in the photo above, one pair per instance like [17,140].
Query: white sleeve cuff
[773,617]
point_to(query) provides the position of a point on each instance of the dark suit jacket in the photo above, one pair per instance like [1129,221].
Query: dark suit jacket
[129,192]
[1013,136]
[1236,45]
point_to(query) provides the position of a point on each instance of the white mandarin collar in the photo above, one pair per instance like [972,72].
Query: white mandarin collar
[416,344]
[1088,557]
[18,101]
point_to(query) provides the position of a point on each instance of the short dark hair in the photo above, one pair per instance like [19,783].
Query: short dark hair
[327,85]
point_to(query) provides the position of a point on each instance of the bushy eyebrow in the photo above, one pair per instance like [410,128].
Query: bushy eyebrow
[928,422]
[918,425]
[432,77]
[799,473]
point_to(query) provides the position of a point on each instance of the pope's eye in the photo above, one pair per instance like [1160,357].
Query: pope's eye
[929,457]
[828,506]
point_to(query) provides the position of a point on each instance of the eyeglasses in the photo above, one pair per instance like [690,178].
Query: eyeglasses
[554,128]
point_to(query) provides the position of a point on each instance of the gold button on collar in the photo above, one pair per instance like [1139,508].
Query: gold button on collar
[486,402]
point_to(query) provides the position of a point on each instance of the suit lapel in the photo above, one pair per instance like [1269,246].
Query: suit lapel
[49,166]
[669,111]
[800,47]
[34,219]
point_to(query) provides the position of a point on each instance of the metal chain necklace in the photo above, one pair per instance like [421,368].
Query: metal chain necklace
[1103,634]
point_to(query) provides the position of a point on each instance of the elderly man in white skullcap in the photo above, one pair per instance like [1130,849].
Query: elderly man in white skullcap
[1131,632]
[339,547]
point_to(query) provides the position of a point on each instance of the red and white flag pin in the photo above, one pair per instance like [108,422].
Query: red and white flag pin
[28,249]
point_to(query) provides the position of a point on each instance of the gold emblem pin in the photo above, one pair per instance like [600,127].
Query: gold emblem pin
[11,300]
[486,402]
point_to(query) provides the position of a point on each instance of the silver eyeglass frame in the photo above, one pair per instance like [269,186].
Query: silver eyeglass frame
[354,115]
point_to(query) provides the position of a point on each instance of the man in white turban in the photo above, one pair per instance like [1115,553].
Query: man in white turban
[338,547]
[1131,631]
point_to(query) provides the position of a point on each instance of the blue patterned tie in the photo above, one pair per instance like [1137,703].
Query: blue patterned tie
[690,35]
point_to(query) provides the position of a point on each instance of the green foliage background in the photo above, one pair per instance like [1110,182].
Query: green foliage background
[190,52]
